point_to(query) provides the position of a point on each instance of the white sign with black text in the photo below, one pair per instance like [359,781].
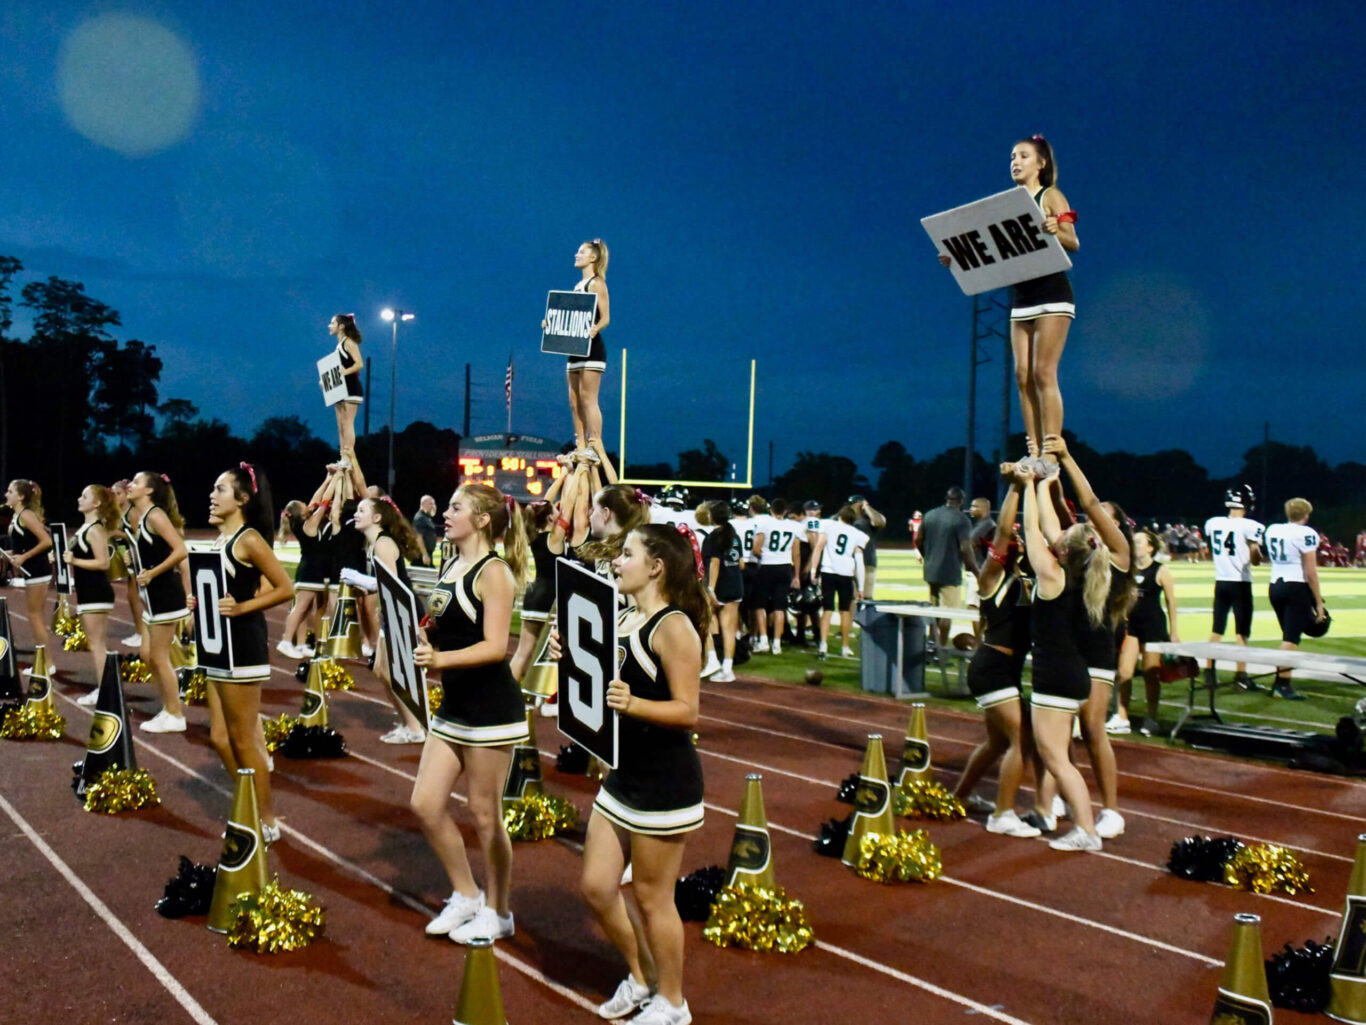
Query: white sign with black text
[331,378]
[62,572]
[996,241]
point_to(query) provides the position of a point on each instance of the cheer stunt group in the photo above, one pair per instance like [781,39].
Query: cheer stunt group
[1059,592]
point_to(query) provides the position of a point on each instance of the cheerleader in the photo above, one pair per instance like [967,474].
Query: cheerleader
[482,714]
[996,667]
[1147,625]
[1073,579]
[1041,308]
[390,540]
[617,510]
[28,543]
[721,557]
[1295,594]
[88,557]
[585,372]
[540,595]
[653,799]
[161,554]
[343,328]
[309,525]
[121,559]
[240,507]
[1102,640]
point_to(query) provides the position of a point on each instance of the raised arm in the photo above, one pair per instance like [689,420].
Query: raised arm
[1041,558]
[990,574]
[1086,498]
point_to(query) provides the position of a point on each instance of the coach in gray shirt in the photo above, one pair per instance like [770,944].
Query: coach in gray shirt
[944,542]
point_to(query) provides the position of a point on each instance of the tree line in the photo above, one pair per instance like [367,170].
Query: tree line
[79,406]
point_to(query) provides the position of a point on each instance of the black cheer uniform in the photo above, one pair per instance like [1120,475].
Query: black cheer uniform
[1100,645]
[1061,680]
[1047,296]
[348,547]
[315,559]
[994,676]
[354,392]
[656,787]
[597,348]
[35,572]
[481,706]
[250,641]
[164,595]
[94,593]
[1147,621]
[540,594]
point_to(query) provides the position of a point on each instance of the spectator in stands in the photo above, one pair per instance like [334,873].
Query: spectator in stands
[943,541]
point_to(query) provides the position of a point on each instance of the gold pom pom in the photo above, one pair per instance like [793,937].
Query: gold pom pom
[274,920]
[33,721]
[121,790]
[277,730]
[903,858]
[196,690]
[337,677]
[435,692]
[76,639]
[538,816]
[1264,867]
[758,918]
[64,624]
[926,799]
[135,670]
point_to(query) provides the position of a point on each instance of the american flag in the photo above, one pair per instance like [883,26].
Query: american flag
[507,384]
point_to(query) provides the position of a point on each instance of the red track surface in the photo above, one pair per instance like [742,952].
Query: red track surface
[1013,932]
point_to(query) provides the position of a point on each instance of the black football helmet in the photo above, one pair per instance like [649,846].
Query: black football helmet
[1240,497]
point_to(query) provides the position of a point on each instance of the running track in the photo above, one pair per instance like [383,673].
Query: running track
[1012,932]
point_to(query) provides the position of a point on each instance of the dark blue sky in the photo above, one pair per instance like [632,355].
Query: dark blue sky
[759,171]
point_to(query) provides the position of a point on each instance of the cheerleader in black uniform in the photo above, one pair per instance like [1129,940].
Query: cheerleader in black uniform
[1147,625]
[391,540]
[482,714]
[585,372]
[88,557]
[721,557]
[1101,642]
[1041,309]
[343,328]
[539,598]
[996,667]
[1073,579]
[164,579]
[312,578]
[121,559]
[239,506]
[653,798]
[29,543]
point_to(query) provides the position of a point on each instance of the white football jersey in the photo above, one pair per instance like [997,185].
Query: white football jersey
[1285,543]
[778,537]
[841,542]
[744,526]
[1230,538]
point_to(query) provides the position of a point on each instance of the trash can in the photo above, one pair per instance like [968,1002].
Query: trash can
[892,659]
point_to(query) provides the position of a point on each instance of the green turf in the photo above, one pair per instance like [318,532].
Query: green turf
[899,577]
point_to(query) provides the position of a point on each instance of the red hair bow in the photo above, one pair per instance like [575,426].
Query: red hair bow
[251,472]
[687,532]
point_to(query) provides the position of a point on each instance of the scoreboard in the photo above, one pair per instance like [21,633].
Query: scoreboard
[520,465]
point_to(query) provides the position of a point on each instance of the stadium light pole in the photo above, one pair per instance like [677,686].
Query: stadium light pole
[394,317]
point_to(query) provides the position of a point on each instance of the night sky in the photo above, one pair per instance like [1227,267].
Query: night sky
[228,176]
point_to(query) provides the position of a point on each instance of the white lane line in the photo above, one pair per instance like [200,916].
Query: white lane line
[973,1006]
[149,960]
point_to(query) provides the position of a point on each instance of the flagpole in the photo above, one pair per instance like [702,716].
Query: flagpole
[509,391]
